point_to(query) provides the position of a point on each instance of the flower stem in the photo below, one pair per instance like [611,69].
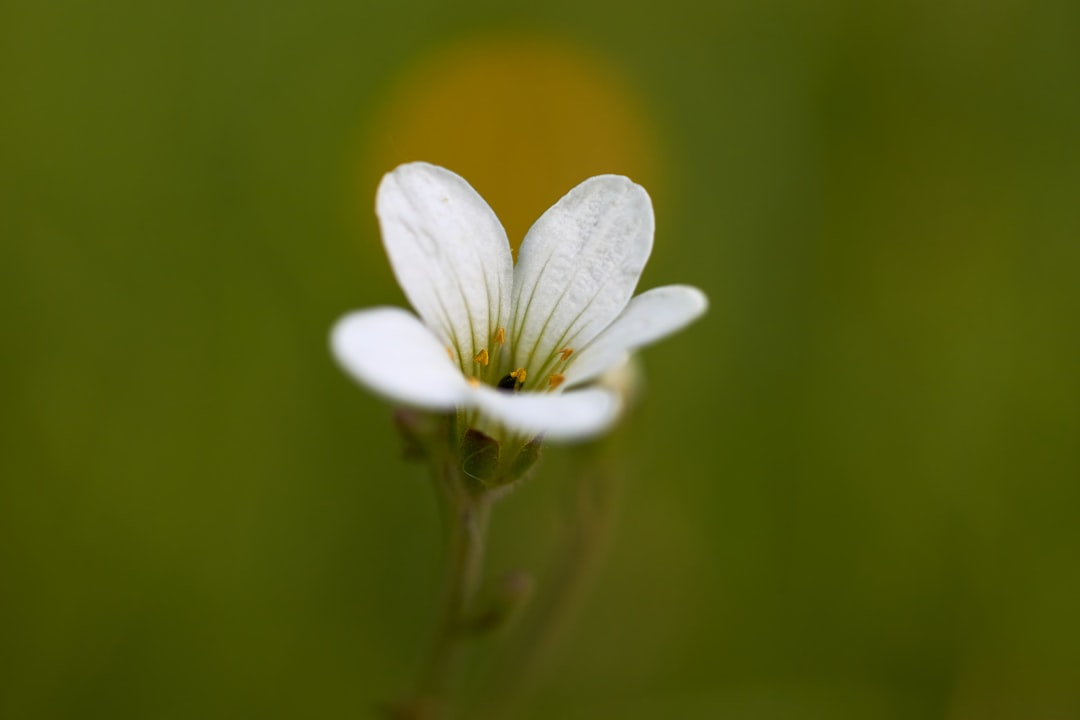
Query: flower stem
[467,522]
[466,509]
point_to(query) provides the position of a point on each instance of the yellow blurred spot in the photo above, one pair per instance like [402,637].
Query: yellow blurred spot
[450,352]
[555,381]
[522,117]
[472,381]
[500,336]
[565,354]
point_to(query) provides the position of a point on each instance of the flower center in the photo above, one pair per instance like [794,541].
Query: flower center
[487,365]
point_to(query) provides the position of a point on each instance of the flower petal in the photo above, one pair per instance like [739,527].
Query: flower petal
[647,318]
[449,253]
[578,267]
[395,355]
[557,416]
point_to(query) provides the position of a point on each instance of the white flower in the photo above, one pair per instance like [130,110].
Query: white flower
[511,348]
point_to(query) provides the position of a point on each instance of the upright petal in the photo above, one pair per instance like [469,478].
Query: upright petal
[578,267]
[648,317]
[449,253]
[391,352]
[557,416]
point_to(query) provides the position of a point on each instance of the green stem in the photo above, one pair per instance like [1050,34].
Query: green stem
[467,522]
[466,509]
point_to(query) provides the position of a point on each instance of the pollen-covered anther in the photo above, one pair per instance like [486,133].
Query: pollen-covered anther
[482,357]
[473,382]
[513,381]
[565,354]
[555,381]
[500,336]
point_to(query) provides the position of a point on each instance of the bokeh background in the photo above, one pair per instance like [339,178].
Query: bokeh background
[851,491]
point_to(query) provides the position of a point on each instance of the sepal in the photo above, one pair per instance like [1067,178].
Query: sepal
[489,464]
[479,459]
[418,430]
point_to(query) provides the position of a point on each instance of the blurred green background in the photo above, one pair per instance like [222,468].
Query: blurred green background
[851,491]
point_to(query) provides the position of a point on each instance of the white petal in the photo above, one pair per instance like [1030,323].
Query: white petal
[573,415]
[578,267]
[449,253]
[395,355]
[647,318]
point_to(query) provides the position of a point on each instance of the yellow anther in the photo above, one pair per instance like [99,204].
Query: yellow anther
[481,357]
[450,352]
[472,381]
[555,381]
[500,336]
[519,375]
[565,353]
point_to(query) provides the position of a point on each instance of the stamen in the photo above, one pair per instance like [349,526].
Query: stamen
[482,357]
[472,381]
[513,381]
[500,336]
[555,381]
[565,354]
